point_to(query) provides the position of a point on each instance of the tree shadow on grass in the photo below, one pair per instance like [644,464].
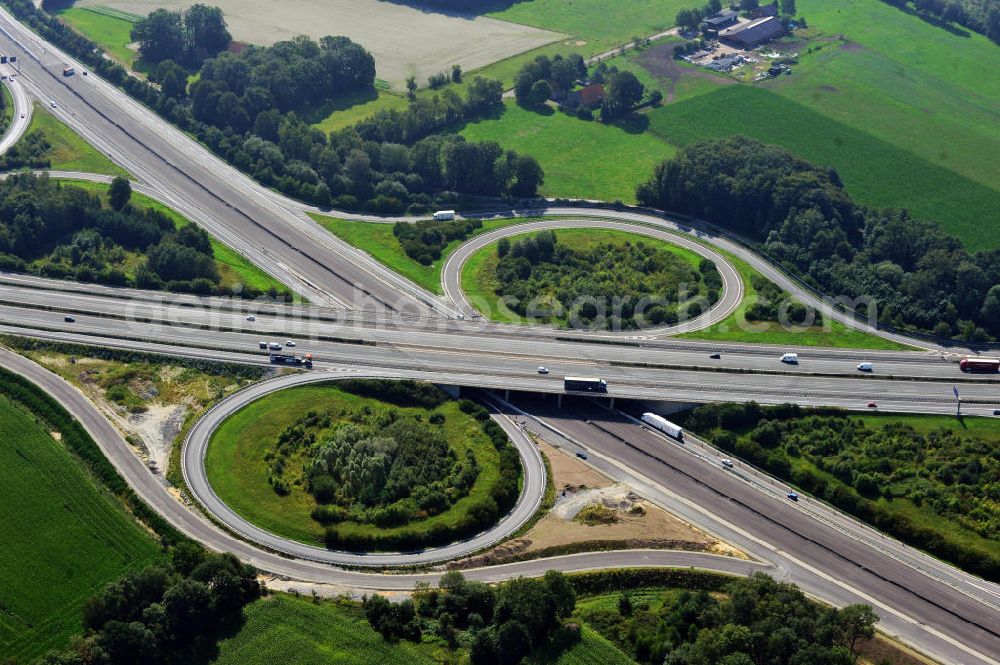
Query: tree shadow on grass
[634,123]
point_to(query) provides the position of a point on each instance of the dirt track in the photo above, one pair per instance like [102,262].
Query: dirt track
[403,40]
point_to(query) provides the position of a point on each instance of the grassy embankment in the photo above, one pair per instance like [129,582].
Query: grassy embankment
[69,151]
[732,328]
[377,239]
[63,538]
[233,267]
[238,472]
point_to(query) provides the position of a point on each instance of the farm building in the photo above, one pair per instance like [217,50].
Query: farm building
[752,34]
[589,96]
[723,19]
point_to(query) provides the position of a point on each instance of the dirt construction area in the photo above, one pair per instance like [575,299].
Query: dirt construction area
[405,41]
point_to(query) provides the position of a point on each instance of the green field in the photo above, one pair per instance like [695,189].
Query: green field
[69,151]
[238,472]
[62,539]
[282,628]
[730,329]
[232,266]
[478,273]
[581,158]
[594,21]
[873,171]
[109,31]
[377,239]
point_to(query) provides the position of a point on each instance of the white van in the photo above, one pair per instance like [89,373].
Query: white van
[790,358]
[865,367]
[444,215]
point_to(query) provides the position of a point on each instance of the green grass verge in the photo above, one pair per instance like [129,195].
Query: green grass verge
[238,473]
[731,329]
[869,167]
[110,32]
[8,108]
[581,158]
[69,151]
[479,272]
[233,267]
[63,539]
[377,239]
[285,629]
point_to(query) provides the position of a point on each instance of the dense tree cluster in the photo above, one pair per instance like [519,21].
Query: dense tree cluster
[388,163]
[690,19]
[169,612]
[390,468]
[546,77]
[374,466]
[757,621]
[424,241]
[916,276]
[64,231]
[982,16]
[611,285]
[30,152]
[501,626]
[956,476]
[188,37]
[773,305]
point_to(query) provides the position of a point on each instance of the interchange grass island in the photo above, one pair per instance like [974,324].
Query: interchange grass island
[256,465]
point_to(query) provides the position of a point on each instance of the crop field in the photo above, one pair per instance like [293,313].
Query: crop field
[238,472]
[232,266]
[404,40]
[581,158]
[285,629]
[69,151]
[62,538]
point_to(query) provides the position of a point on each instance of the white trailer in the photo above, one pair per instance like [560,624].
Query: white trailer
[444,215]
[663,425]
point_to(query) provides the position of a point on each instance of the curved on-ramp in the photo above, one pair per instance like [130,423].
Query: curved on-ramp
[22,111]
[193,466]
[732,284]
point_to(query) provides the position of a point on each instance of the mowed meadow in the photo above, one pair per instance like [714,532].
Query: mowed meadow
[61,539]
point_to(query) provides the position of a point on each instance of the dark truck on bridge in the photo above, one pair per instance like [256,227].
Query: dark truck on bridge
[585,384]
[292,360]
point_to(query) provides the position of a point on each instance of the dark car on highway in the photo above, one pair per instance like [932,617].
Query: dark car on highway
[582,455]
[69,319]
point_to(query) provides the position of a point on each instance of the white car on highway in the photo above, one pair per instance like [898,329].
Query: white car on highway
[865,367]
[543,370]
[289,342]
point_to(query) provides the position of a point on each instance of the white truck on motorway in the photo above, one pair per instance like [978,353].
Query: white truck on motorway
[790,358]
[663,425]
[444,215]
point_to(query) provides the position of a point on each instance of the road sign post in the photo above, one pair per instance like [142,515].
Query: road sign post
[958,402]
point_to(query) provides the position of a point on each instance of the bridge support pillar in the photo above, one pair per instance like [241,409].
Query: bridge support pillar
[559,401]
[611,404]
[506,395]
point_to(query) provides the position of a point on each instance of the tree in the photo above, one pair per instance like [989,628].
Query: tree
[788,7]
[687,19]
[622,92]
[120,192]
[206,30]
[513,643]
[172,79]
[747,5]
[411,88]
[528,176]
[561,592]
[858,622]
[160,35]
[456,73]
[540,93]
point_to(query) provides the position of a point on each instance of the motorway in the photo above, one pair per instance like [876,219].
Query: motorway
[409,332]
